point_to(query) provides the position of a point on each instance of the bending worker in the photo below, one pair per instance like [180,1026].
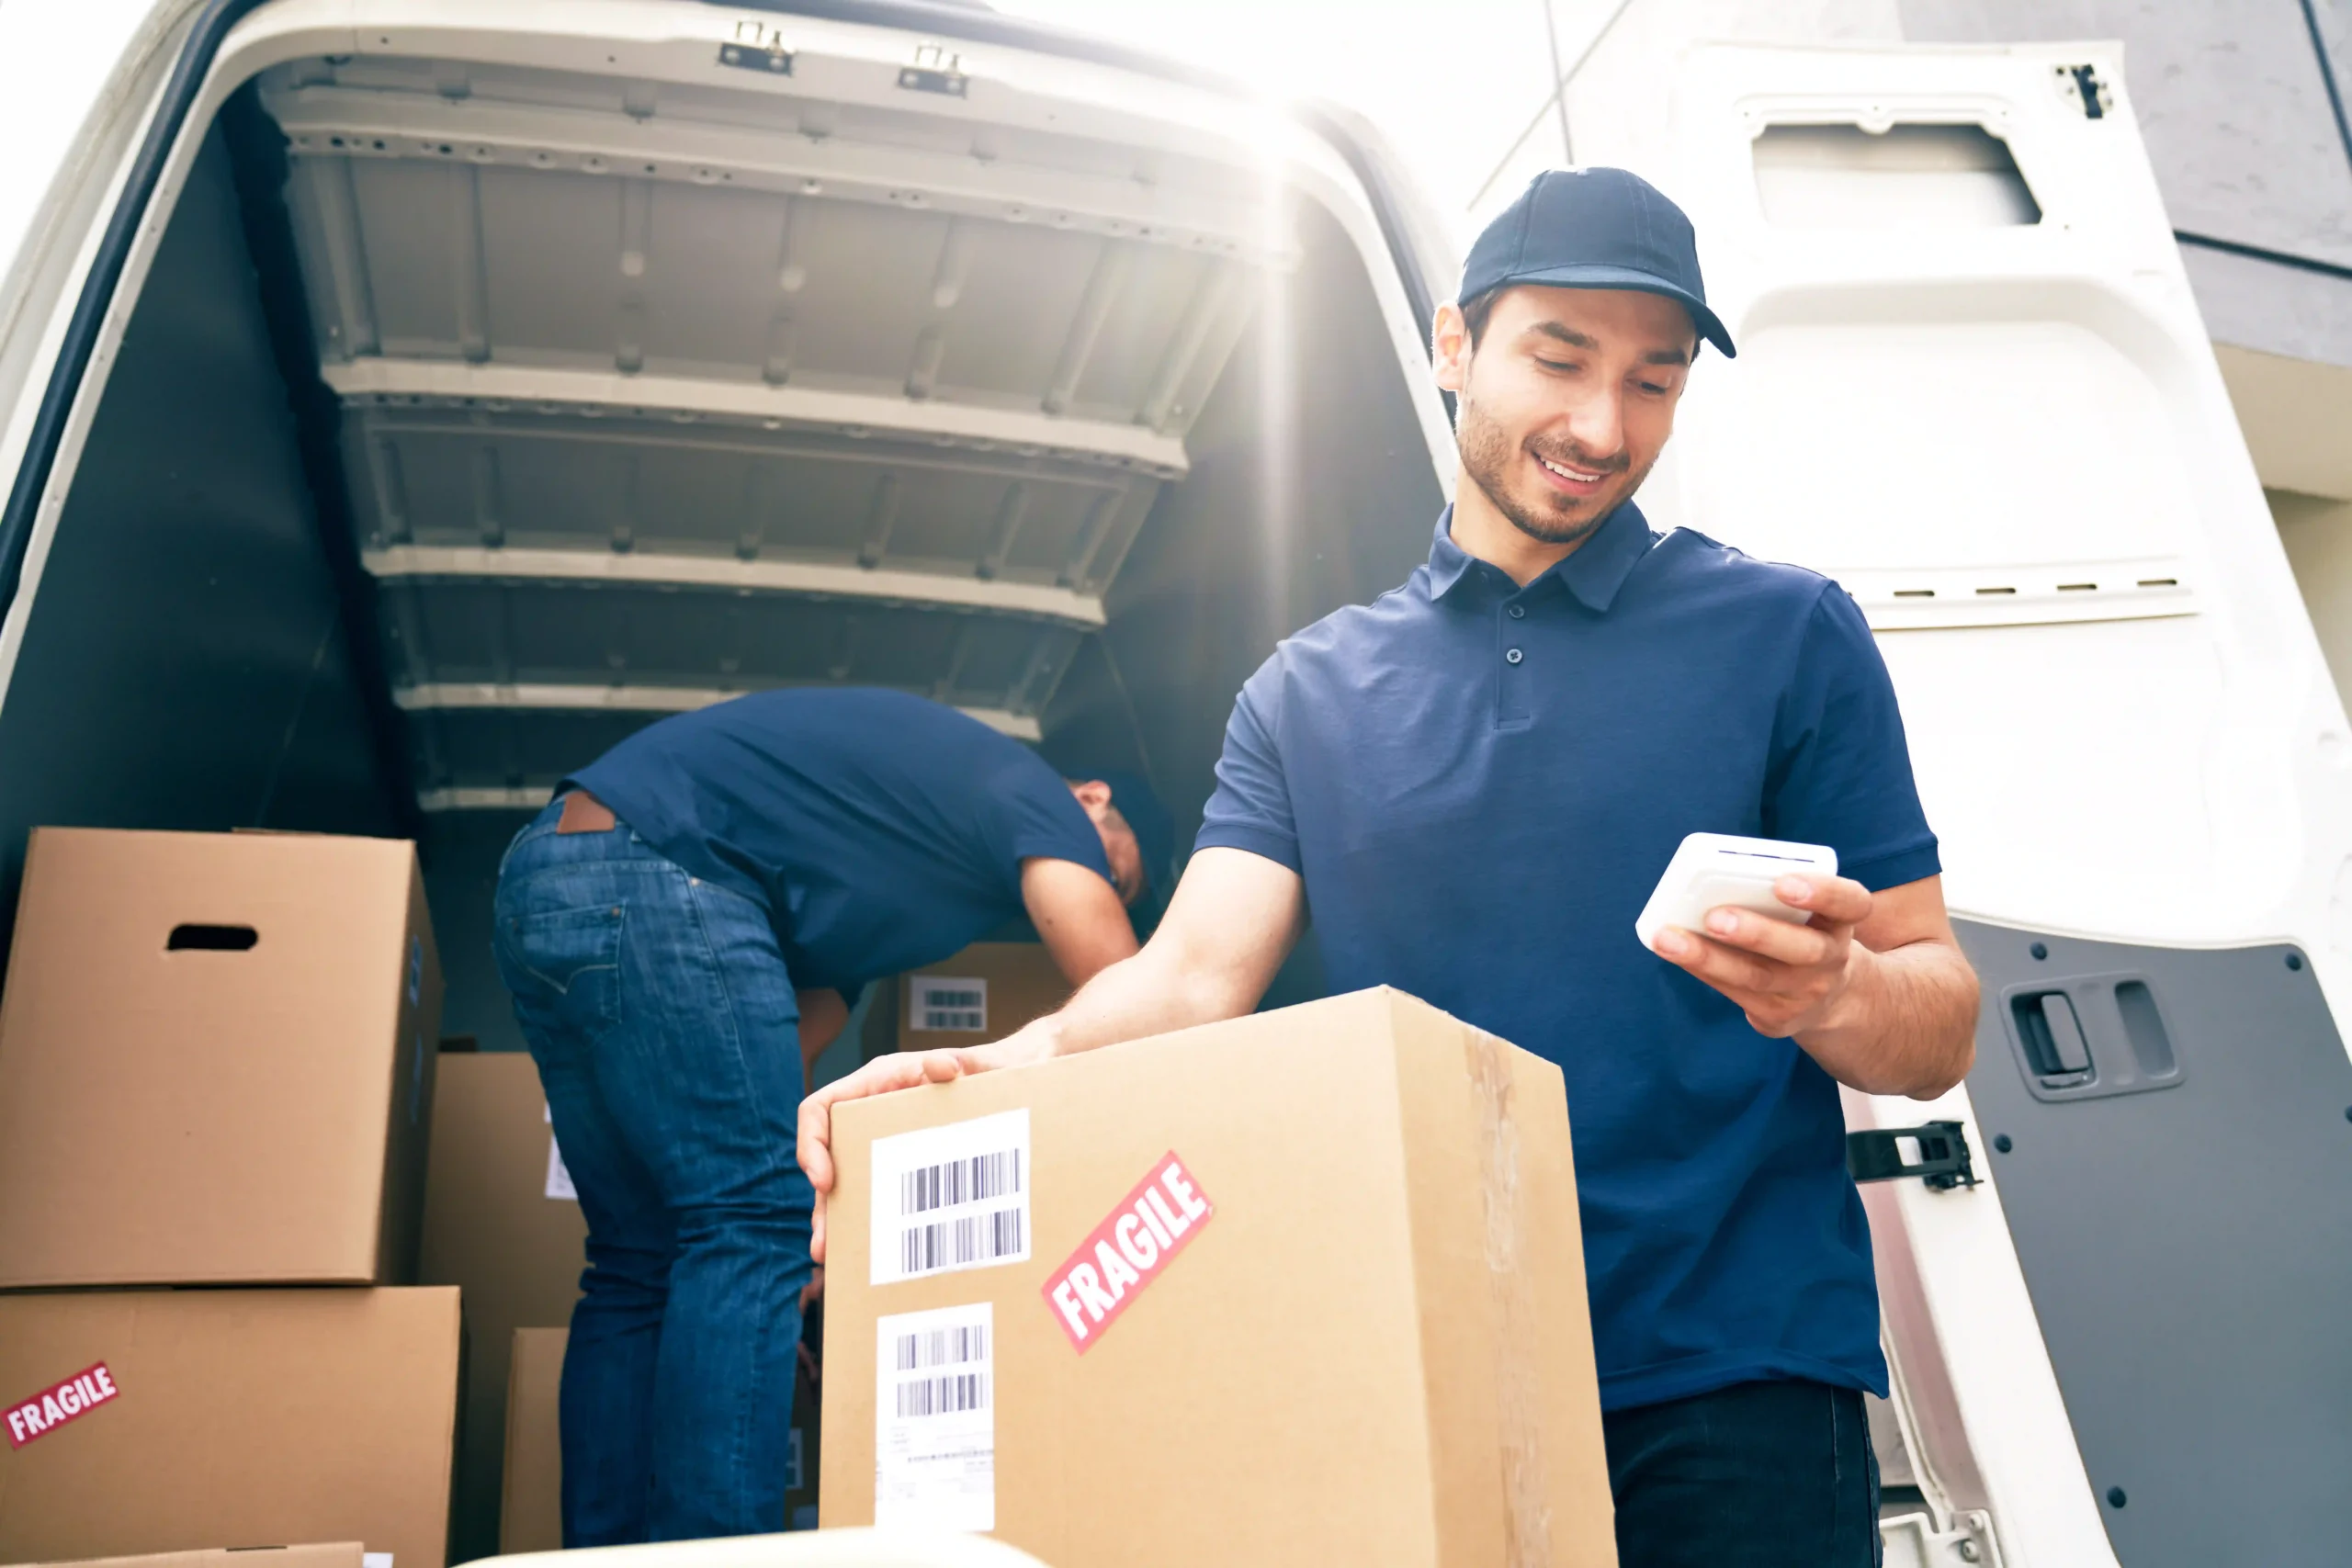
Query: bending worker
[1476,780]
[682,929]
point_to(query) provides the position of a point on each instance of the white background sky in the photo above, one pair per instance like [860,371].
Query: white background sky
[1452,83]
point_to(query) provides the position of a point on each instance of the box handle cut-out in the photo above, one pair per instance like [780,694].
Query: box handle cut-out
[210,939]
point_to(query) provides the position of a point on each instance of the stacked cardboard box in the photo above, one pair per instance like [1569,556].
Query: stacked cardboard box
[984,993]
[503,1224]
[530,1517]
[1302,1287]
[216,1066]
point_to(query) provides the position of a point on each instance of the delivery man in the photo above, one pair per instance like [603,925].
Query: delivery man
[1476,782]
[682,929]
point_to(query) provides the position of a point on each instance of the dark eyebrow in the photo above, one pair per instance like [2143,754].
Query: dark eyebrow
[1569,335]
[1576,339]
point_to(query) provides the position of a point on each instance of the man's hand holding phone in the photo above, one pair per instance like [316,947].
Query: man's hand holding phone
[1788,978]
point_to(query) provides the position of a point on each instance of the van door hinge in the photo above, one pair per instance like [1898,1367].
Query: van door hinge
[1912,1540]
[1936,1153]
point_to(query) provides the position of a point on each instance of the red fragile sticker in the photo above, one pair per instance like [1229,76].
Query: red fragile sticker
[1126,1251]
[60,1403]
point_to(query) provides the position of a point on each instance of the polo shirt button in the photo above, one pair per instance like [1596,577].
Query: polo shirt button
[1514,656]
[1519,612]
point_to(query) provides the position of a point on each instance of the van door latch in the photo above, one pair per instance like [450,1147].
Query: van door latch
[1937,1154]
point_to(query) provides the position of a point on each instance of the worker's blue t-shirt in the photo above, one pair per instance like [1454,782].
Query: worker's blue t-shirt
[1481,784]
[881,832]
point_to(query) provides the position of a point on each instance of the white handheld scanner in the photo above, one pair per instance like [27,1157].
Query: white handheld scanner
[1714,870]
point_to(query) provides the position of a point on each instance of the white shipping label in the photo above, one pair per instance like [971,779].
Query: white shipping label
[934,1419]
[951,1197]
[559,1178]
[942,1002]
[375,1560]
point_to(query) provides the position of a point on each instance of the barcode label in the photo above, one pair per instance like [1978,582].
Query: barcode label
[935,1396]
[942,1003]
[934,1419]
[951,1197]
[559,1177]
[966,1243]
[941,1347]
[954,1181]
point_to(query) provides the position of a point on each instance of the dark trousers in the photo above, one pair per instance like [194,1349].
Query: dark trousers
[667,1036]
[1756,1475]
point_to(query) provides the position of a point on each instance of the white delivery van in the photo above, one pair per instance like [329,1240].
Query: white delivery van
[400,400]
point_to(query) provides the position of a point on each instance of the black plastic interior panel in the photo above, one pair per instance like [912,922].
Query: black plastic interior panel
[184,666]
[2171,1135]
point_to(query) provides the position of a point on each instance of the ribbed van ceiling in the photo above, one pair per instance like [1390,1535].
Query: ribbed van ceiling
[655,396]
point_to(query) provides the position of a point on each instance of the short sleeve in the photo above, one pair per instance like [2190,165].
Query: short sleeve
[1841,768]
[1043,820]
[1250,808]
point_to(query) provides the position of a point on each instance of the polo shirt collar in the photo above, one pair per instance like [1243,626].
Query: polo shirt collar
[1593,573]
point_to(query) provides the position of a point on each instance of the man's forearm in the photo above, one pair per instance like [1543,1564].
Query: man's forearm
[1906,1023]
[1234,918]
[1152,993]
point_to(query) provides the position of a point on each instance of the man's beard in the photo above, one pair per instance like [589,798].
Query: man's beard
[1486,455]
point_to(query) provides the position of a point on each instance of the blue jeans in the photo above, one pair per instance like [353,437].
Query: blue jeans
[667,1036]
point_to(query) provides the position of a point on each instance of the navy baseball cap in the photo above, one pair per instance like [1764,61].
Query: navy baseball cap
[1595,229]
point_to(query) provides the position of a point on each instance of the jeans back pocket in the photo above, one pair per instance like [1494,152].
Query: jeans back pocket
[564,964]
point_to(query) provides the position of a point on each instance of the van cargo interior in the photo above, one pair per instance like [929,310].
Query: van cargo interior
[472,417]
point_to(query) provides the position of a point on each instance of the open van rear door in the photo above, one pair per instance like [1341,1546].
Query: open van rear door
[1974,387]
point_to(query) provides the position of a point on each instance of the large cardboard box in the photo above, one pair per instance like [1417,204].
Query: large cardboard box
[148,1421]
[984,993]
[1305,1287]
[334,1555]
[216,1060]
[531,1518]
[500,1223]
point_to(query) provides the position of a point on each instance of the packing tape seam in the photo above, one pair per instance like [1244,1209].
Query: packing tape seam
[1527,1523]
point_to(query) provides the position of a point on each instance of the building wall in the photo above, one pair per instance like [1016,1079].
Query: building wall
[2317,532]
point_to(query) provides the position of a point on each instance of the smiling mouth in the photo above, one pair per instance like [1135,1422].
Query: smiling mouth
[1574,478]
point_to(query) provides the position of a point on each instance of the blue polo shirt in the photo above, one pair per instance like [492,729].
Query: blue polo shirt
[880,832]
[1481,782]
